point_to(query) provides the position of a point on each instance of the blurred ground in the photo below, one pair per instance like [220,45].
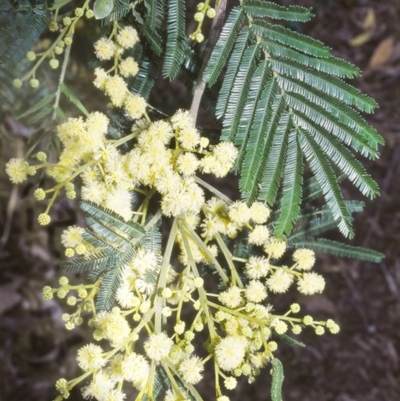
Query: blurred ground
[359,364]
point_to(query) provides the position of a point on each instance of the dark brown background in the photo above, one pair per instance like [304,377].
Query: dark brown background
[359,364]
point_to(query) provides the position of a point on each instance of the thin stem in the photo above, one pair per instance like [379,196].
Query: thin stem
[213,190]
[159,300]
[61,80]
[216,27]
[203,247]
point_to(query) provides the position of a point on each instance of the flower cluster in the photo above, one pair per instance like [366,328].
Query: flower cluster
[203,10]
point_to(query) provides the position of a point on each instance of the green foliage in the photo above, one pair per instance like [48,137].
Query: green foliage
[277,380]
[115,242]
[176,40]
[21,24]
[283,102]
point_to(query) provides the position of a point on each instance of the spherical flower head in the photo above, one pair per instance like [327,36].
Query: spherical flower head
[100,387]
[319,330]
[136,370]
[41,156]
[120,201]
[275,248]
[54,63]
[182,119]
[255,291]
[79,12]
[296,329]
[104,49]
[17,170]
[304,258]
[101,78]
[81,249]
[39,194]
[211,13]
[34,83]
[115,87]
[68,41]
[187,164]
[239,213]
[280,281]
[199,17]
[90,357]
[72,236]
[62,386]
[259,236]
[67,21]
[135,106]
[44,219]
[230,352]
[257,267]
[259,213]
[17,83]
[188,137]
[200,6]
[59,50]
[127,37]
[230,383]
[295,308]
[231,298]
[47,293]
[311,283]
[191,369]
[97,124]
[112,326]
[128,67]
[281,327]
[31,56]
[158,346]
[199,37]
[226,153]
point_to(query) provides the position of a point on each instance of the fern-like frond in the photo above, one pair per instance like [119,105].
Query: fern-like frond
[232,70]
[132,229]
[259,8]
[325,175]
[331,65]
[349,165]
[154,39]
[176,40]
[342,250]
[155,13]
[258,81]
[21,24]
[345,114]
[224,45]
[290,38]
[268,113]
[268,188]
[108,288]
[292,189]
[239,92]
[330,85]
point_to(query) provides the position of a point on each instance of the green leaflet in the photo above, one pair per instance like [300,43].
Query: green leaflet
[230,75]
[115,241]
[102,8]
[258,8]
[239,92]
[277,380]
[224,45]
[345,114]
[327,179]
[330,85]
[342,250]
[266,119]
[258,81]
[176,40]
[331,65]
[290,38]
[73,99]
[275,161]
[21,24]
[155,13]
[292,189]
